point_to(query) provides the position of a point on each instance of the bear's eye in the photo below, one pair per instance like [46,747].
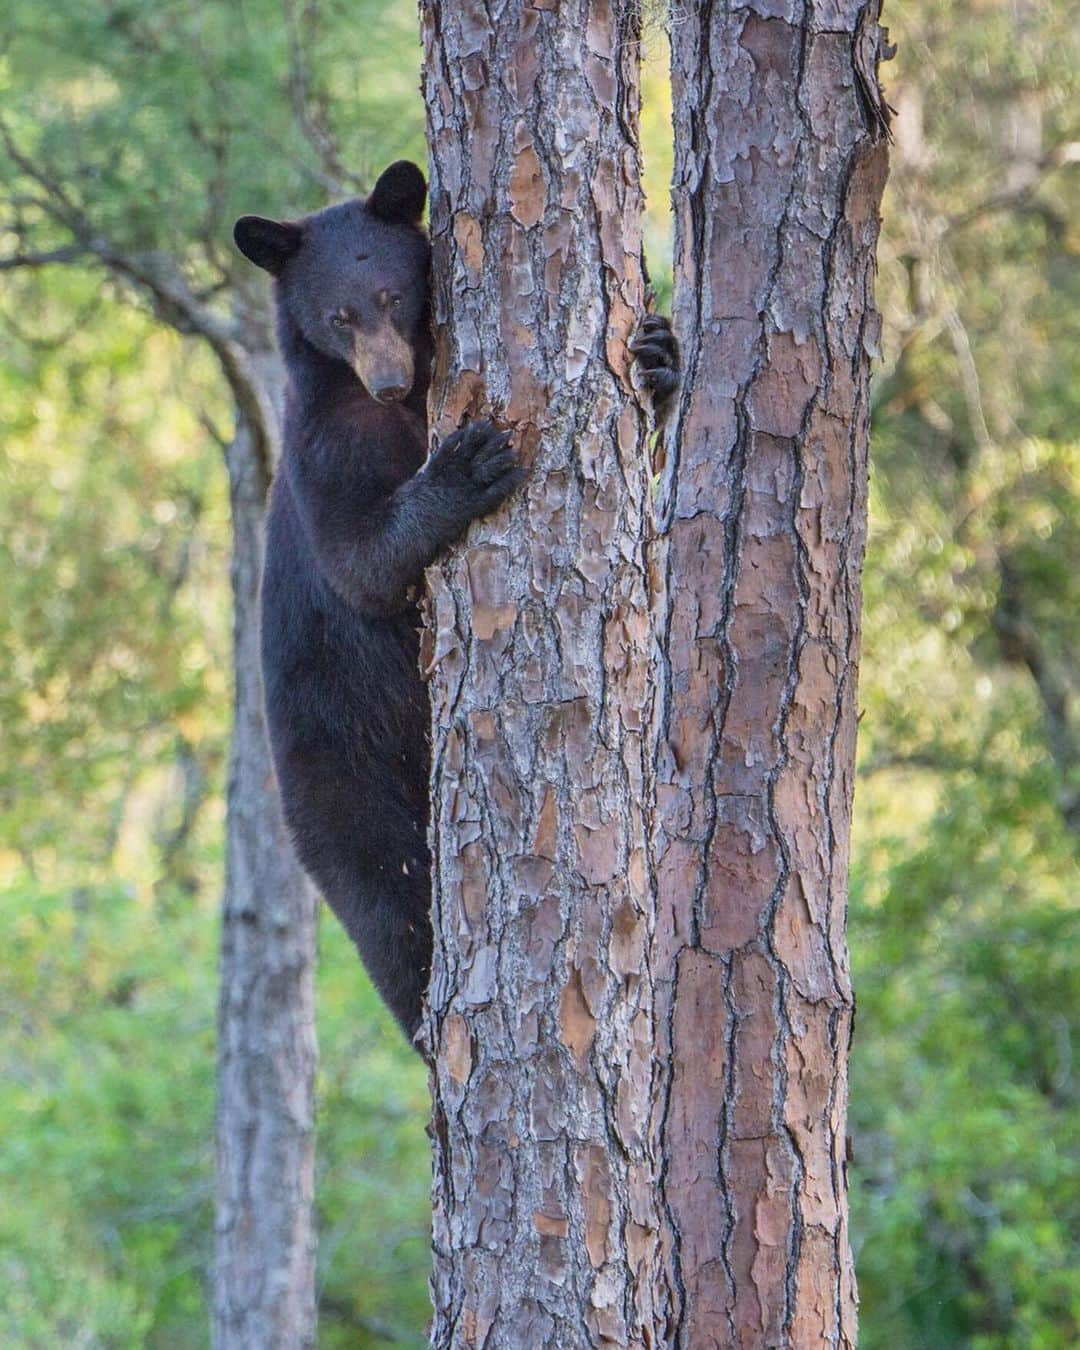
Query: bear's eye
[396,302]
[362,257]
[340,319]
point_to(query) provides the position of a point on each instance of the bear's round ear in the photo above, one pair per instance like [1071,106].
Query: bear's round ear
[268,243]
[398,197]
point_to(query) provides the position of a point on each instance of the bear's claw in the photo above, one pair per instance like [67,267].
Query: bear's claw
[480,462]
[656,352]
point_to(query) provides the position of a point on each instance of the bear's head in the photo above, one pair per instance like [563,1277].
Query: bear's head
[353,279]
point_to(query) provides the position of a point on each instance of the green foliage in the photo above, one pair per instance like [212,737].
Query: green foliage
[113,533]
[964,1097]
[107,1055]
[964,923]
[373,1162]
[163,121]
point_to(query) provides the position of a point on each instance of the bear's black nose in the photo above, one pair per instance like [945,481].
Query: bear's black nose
[390,393]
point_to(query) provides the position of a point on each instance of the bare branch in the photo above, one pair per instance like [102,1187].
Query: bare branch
[969,378]
[161,279]
[309,111]
[1058,157]
[69,253]
[925,760]
[1019,640]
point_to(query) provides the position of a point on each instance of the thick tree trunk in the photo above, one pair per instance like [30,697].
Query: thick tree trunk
[780,161]
[264,1261]
[540,1009]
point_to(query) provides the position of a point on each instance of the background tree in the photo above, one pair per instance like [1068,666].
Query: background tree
[131,141]
[540,1008]
[264,1269]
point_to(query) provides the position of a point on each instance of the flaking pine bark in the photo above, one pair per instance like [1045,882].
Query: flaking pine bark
[540,1007]
[643,729]
[780,162]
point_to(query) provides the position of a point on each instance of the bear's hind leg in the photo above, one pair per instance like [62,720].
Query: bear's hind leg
[371,865]
[392,933]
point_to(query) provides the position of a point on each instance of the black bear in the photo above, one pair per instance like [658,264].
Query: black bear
[356,514]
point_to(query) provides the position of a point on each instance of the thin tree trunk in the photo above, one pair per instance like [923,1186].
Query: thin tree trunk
[264,1261]
[540,1009]
[263,1273]
[780,160]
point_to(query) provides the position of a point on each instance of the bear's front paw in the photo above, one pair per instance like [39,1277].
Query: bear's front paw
[478,463]
[656,352]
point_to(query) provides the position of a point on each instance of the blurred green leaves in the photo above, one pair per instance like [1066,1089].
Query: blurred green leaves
[106,1122]
[158,123]
[964,923]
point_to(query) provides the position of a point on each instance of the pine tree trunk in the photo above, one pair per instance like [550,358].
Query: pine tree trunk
[581,986]
[780,160]
[540,1009]
[264,1260]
